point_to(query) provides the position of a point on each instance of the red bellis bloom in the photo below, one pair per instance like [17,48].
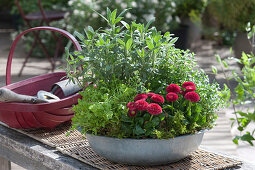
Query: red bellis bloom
[190,88]
[131,105]
[188,83]
[171,97]
[173,88]
[132,113]
[154,109]
[192,96]
[141,96]
[150,94]
[141,105]
[158,98]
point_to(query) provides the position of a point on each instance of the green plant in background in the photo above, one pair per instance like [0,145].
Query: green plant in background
[233,14]
[167,13]
[29,6]
[141,11]
[226,20]
[190,9]
[130,58]
[243,95]
[6,4]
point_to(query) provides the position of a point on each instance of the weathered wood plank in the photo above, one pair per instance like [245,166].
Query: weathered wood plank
[5,164]
[32,154]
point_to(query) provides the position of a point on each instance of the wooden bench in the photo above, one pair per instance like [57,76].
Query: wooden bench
[31,154]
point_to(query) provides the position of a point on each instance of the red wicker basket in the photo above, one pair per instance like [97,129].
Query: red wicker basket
[47,115]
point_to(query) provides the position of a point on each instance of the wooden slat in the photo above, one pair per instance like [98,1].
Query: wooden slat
[5,164]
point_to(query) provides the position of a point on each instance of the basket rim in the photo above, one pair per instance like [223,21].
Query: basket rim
[27,107]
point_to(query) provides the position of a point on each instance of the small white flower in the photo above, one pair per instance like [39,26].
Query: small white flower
[86,2]
[178,19]
[173,4]
[155,1]
[76,12]
[94,15]
[128,15]
[134,4]
[69,27]
[169,18]
[70,3]
[96,7]
[148,17]
[82,13]
[123,5]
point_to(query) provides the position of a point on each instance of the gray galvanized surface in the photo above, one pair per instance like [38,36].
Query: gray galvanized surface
[67,87]
[145,151]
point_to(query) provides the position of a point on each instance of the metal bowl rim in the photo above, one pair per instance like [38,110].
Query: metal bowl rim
[149,139]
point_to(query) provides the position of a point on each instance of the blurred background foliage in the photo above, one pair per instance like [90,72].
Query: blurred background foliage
[218,20]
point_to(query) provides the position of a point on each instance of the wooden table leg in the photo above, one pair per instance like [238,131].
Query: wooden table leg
[5,164]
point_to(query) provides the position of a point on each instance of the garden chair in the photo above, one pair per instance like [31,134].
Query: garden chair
[44,17]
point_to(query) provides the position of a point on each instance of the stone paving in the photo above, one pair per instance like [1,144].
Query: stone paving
[218,139]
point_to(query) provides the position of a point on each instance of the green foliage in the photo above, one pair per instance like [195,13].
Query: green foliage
[29,6]
[233,14]
[167,13]
[132,52]
[102,108]
[190,9]
[243,95]
[141,11]
[6,4]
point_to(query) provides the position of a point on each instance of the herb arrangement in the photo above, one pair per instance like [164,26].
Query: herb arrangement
[139,73]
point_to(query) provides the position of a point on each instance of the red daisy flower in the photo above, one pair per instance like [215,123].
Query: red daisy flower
[154,109]
[192,96]
[190,88]
[141,105]
[150,94]
[173,88]
[158,98]
[188,83]
[132,113]
[171,97]
[131,105]
[141,96]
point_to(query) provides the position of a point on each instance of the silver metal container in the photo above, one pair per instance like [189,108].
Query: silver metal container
[145,151]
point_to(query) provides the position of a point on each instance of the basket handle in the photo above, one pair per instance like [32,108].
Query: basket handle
[63,32]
